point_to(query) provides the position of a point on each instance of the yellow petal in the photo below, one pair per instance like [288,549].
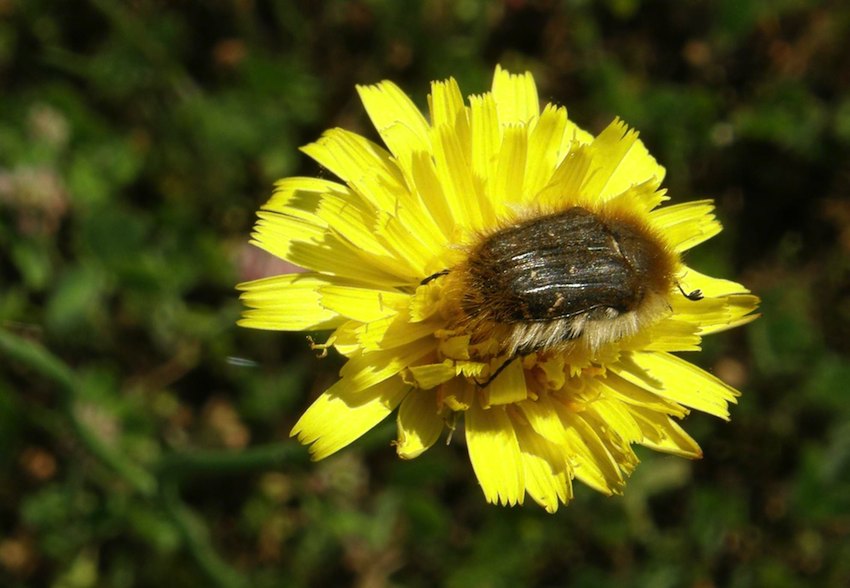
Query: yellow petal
[321,220]
[425,302]
[373,174]
[433,374]
[711,287]
[471,369]
[568,178]
[329,205]
[738,309]
[288,302]
[543,419]
[415,245]
[373,367]
[362,164]
[506,186]
[668,334]
[554,372]
[687,225]
[419,423]
[662,433]
[457,394]
[676,379]
[597,459]
[342,414]
[620,160]
[362,304]
[304,193]
[486,140]
[454,172]
[545,149]
[369,169]
[392,331]
[617,416]
[515,96]
[344,339]
[353,220]
[545,470]
[396,118]
[455,347]
[626,392]
[427,185]
[644,196]
[447,109]
[590,460]
[316,248]
[508,387]
[574,136]
[615,442]
[494,453]
[725,304]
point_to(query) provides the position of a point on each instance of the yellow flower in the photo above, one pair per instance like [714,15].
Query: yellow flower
[416,263]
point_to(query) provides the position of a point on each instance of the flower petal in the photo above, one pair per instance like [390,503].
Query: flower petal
[393,331]
[314,247]
[431,375]
[568,178]
[486,140]
[330,205]
[687,225]
[662,433]
[515,96]
[447,109]
[635,396]
[454,172]
[373,367]
[668,334]
[494,453]
[615,442]
[362,164]
[620,160]
[288,302]
[508,387]
[547,476]
[396,118]
[710,287]
[419,423]
[342,414]
[617,416]
[543,419]
[362,304]
[676,379]
[546,149]
[590,460]
[506,186]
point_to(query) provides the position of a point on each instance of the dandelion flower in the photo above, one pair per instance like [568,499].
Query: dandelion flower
[498,266]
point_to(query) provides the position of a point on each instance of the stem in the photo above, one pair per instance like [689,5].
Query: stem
[35,357]
[273,455]
[197,540]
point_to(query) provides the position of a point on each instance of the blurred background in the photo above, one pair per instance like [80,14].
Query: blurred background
[144,437]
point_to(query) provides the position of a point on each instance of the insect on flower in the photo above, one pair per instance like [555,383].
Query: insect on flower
[567,278]
[498,266]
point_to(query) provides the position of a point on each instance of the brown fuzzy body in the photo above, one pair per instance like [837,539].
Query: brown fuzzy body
[560,278]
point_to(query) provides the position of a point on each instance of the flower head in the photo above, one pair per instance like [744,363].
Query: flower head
[498,265]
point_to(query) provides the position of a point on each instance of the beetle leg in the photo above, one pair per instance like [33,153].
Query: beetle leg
[433,277]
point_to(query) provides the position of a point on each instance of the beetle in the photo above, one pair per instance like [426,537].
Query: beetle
[576,276]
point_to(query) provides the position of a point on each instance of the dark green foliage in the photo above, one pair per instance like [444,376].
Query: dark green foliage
[137,138]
